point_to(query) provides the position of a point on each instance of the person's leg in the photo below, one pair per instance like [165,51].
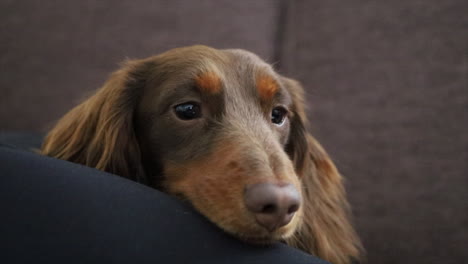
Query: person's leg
[53,211]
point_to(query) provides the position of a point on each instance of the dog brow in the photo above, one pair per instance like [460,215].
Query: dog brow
[208,82]
[267,87]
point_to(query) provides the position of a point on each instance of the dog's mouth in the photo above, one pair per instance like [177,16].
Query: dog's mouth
[254,234]
[262,237]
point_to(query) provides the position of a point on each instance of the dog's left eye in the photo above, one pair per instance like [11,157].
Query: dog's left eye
[188,111]
[278,115]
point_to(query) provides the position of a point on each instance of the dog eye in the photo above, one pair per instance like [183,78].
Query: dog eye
[188,111]
[278,114]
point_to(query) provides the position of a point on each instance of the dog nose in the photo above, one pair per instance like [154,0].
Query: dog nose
[273,205]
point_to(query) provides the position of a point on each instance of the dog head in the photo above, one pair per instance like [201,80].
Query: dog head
[222,130]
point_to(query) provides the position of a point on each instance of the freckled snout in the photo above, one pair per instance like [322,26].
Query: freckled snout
[273,205]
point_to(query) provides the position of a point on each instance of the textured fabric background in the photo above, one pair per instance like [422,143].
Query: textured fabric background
[388,91]
[54,52]
[387,85]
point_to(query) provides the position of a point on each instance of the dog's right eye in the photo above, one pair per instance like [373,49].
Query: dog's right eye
[188,111]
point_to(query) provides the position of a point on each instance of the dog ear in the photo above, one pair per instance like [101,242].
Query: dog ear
[325,230]
[99,132]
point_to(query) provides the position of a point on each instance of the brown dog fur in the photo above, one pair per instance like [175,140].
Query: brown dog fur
[128,128]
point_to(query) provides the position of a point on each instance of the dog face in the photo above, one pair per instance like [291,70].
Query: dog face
[222,130]
[216,125]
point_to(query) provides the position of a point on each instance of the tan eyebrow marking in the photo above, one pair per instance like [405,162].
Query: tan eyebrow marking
[208,82]
[267,87]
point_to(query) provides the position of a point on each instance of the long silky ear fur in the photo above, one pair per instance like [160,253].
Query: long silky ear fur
[99,132]
[325,230]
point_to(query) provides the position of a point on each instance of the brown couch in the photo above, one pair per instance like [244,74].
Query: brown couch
[387,86]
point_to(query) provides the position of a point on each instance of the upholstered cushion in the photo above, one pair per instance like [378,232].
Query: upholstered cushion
[388,92]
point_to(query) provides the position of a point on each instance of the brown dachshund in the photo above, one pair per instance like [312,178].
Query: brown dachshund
[223,130]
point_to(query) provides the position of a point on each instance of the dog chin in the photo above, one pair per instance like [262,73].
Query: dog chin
[265,238]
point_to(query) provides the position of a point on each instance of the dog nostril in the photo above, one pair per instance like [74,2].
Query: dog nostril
[268,209]
[293,208]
